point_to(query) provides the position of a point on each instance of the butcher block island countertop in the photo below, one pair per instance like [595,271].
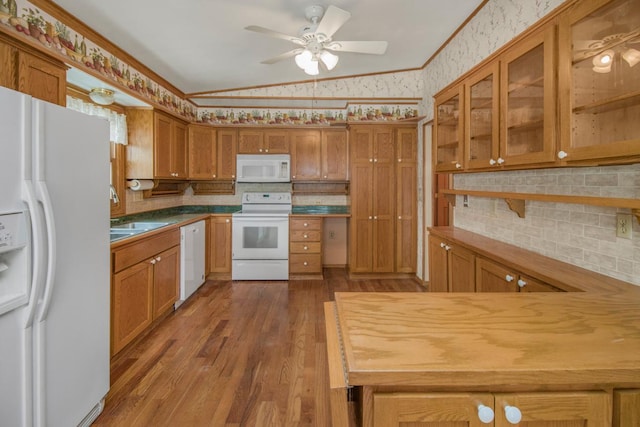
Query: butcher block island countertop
[413,349]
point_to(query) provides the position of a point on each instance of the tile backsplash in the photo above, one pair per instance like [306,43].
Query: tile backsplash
[582,235]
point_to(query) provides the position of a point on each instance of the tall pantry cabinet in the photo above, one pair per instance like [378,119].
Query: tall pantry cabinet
[382,237]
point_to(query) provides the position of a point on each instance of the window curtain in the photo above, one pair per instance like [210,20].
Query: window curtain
[117,121]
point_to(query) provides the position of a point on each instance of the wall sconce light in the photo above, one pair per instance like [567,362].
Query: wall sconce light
[102,96]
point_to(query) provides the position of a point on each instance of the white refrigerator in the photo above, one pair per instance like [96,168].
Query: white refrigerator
[54,263]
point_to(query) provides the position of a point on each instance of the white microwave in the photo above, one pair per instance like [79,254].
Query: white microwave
[263,168]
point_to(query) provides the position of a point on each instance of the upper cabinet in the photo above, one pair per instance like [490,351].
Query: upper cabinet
[319,155]
[447,130]
[202,152]
[27,70]
[565,93]
[600,80]
[157,145]
[260,141]
[528,100]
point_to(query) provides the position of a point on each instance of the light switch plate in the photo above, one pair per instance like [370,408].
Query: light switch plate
[624,225]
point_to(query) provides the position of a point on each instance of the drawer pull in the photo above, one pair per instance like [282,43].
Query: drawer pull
[305,263]
[305,248]
[512,414]
[305,225]
[305,236]
[485,414]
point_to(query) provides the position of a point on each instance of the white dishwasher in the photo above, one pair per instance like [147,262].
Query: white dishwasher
[192,241]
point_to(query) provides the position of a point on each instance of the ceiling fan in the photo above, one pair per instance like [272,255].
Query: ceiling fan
[315,40]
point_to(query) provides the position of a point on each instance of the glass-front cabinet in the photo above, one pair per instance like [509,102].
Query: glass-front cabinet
[447,130]
[528,100]
[482,125]
[599,65]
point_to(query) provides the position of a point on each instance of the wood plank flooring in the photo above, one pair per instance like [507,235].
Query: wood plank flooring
[235,354]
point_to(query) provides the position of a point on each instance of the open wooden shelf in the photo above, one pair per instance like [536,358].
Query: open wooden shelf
[516,200]
[166,188]
[213,187]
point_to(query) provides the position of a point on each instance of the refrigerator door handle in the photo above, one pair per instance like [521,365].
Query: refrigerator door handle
[45,200]
[37,244]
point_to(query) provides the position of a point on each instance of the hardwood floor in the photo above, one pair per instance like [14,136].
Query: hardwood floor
[235,354]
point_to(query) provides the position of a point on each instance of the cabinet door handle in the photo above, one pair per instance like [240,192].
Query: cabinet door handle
[375,217]
[500,160]
[370,217]
[399,160]
[522,283]
[325,177]
[492,162]
[442,244]
[214,175]
[447,247]
[260,150]
[233,176]
[399,217]
[512,414]
[485,414]
[226,220]
[158,258]
[375,160]
[370,160]
[266,150]
[508,278]
[562,154]
[458,166]
[153,261]
[293,176]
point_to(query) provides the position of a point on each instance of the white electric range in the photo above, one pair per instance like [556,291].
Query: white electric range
[260,237]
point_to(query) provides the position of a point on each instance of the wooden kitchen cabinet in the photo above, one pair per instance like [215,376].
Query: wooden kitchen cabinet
[305,246]
[202,152]
[30,71]
[372,225]
[117,164]
[537,409]
[493,277]
[306,155]
[157,146]
[259,141]
[451,267]
[335,155]
[528,100]
[448,128]
[219,245]
[227,140]
[626,408]
[599,81]
[406,199]
[144,285]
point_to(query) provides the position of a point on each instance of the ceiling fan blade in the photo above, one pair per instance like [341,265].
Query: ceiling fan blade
[285,55]
[275,34]
[369,47]
[332,20]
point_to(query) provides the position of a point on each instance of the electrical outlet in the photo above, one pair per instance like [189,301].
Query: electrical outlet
[624,225]
[332,234]
[465,201]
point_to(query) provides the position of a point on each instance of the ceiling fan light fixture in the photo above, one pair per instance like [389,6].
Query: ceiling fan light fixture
[603,59]
[329,59]
[303,59]
[312,69]
[102,96]
[632,56]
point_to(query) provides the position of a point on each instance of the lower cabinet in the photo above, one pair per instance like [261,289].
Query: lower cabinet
[626,408]
[305,246]
[453,268]
[219,246]
[144,286]
[494,277]
[536,409]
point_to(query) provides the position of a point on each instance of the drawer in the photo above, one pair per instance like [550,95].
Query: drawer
[305,247]
[305,263]
[305,236]
[306,224]
[129,255]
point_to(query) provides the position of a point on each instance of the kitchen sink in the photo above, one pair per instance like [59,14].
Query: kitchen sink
[139,226]
[115,234]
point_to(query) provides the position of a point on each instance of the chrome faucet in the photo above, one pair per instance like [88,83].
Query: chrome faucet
[113,195]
